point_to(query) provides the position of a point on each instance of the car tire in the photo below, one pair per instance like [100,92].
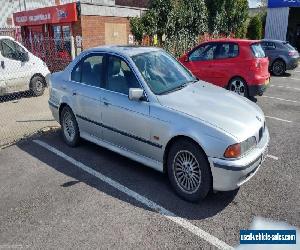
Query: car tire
[189,171]
[278,67]
[239,86]
[37,85]
[69,126]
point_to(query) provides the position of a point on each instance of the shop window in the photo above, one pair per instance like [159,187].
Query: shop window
[62,40]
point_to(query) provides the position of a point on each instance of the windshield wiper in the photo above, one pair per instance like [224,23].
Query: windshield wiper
[179,87]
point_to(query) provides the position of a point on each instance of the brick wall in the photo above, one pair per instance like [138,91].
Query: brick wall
[93,29]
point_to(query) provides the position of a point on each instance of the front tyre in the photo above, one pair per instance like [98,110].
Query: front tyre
[37,85]
[239,86]
[188,170]
[70,130]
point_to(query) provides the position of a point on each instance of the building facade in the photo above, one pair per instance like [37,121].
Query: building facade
[283,21]
[58,33]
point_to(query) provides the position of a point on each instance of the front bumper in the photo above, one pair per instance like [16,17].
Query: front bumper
[231,174]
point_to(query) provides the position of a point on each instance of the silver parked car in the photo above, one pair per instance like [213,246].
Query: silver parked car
[143,104]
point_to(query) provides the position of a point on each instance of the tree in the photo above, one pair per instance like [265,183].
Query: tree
[137,28]
[227,16]
[255,28]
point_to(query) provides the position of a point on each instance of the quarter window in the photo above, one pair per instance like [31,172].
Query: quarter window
[120,77]
[227,50]
[89,71]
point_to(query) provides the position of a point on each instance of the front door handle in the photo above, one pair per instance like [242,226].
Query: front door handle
[2,65]
[106,102]
[74,93]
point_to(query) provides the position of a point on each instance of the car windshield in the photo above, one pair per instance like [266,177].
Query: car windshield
[258,50]
[162,72]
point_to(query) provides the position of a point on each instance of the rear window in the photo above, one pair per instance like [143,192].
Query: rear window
[290,47]
[257,50]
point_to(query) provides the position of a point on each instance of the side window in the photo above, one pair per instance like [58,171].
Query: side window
[120,77]
[203,53]
[10,49]
[268,45]
[89,71]
[227,50]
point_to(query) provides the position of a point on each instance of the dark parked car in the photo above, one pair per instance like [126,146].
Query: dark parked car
[282,56]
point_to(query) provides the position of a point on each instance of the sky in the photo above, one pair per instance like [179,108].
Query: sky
[253,3]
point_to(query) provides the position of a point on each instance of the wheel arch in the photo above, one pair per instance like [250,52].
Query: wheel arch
[172,141]
[236,76]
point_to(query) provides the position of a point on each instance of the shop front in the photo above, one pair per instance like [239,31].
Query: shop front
[47,33]
[283,21]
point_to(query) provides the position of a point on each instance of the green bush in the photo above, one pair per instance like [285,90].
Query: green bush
[255,28]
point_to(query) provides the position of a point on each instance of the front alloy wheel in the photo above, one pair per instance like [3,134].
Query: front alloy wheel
[188,170]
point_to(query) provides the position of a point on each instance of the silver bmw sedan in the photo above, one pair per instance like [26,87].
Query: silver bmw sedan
[142,103]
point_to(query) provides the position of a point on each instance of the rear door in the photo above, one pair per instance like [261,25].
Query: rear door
[87,77]
[200,62]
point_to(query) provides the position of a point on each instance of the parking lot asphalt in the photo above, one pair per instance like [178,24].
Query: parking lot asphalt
[89,197]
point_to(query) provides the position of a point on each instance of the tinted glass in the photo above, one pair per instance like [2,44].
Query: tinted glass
[203,53]
[290,47]
[162,72]
[11,50]
[89,71]
[120,77]
[257,50]
[227,50]
[268,45]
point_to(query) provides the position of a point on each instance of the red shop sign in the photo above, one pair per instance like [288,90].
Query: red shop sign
[56,14]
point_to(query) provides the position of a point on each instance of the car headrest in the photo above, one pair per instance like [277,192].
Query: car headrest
[115,67]
[86,67]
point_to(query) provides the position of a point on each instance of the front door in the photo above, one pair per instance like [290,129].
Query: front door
[200,62]
[125,123]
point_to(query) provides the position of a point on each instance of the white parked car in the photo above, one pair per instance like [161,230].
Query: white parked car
[20,70]
[142,103]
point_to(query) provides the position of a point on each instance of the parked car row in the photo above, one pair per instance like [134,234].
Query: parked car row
[239,65]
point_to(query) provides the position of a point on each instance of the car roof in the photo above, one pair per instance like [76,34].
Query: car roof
[234,40]
[126,50]
[7,37]
[274,41]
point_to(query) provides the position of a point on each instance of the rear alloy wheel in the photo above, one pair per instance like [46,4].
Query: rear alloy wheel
[69,127]
[189,171]
[239,86]
[278,68]
[37,85]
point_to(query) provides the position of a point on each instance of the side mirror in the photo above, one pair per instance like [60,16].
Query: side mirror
[135,94]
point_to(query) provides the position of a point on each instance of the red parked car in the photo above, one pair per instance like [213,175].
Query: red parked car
[238,65]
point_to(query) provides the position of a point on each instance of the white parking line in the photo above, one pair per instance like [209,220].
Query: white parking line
[292,78]
[149,203]
[278,119]
[273,157]
[281,99]
[285,87]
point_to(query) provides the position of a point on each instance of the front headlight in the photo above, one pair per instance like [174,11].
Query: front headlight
[239,149]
